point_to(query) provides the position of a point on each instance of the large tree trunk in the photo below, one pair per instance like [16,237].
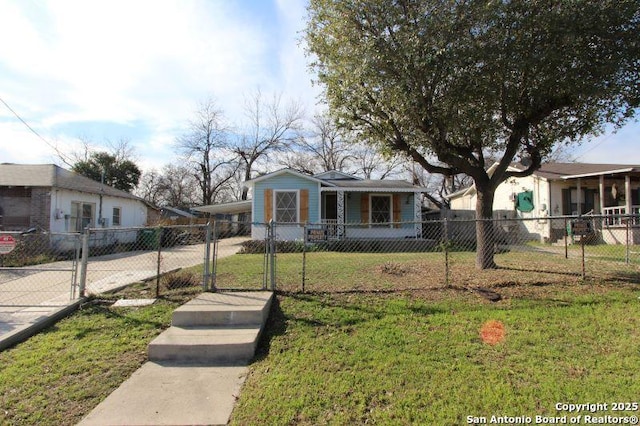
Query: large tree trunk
[485,237]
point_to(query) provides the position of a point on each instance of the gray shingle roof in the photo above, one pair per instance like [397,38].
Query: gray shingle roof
[559,170]
[370,183]
[50,175]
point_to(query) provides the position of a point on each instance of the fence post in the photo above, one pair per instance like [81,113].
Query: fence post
[206,274]
[566,243]
[582,249]
[446,251]
[77,246]
[627,241]
[272,254]
[160,232]
[304,255]
[83,263]
[265,260]
[214,257]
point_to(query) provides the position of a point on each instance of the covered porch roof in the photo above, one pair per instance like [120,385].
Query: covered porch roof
[370,185]
[226,208]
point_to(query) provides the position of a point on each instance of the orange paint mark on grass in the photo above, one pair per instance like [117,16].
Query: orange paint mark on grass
[492,332]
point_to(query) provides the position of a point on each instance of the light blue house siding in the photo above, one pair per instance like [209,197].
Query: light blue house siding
[354,215]
[408,214]
[286,182]
[357,196]
[352,203]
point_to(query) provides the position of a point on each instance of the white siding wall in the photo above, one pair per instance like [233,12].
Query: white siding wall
[503,202]
[133,212]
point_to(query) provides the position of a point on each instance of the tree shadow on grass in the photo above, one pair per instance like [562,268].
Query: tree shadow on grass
[103,309]
[631,277]
[624,276]
[538,271]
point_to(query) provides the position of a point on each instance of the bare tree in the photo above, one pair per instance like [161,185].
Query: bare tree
[122,150]
[326,144]
[371,163]
[149,187]
[302,162]
[272,127]
[173,186]
[438,186]
[179,187]
[205,147]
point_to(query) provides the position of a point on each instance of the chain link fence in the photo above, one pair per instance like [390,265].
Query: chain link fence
[254,270]
[40,269]
[305,257]
[37,268]
[116,257]
[444,253]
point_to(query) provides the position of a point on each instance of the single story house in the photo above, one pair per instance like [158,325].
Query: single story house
[331,201]
[566,189]
[52,199]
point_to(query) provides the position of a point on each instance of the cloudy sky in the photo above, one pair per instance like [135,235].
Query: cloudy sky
[136,70]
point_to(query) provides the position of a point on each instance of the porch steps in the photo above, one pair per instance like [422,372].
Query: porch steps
[214,329]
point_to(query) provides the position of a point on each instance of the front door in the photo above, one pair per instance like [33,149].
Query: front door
[330,213]
[570,201]
[329,206]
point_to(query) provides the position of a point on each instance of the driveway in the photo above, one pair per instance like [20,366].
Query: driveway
[34,294]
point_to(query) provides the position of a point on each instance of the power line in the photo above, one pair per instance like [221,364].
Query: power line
[606,138]
[33,130]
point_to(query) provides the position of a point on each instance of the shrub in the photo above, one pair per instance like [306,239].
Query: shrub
[178,280]
[258,247]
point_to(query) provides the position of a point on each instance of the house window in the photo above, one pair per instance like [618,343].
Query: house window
[115,218]
[570,201]
[286,206]
[82,216]
[381,209]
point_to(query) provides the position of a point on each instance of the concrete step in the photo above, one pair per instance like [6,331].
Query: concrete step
[218,309]
[206,346]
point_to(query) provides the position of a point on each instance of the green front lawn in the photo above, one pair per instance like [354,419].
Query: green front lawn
[399,359]
[377,338]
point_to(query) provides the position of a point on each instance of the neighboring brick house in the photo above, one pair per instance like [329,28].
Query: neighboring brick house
[50,198]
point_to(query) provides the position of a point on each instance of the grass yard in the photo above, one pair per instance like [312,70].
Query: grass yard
[376,338]
[394,358]
[59,375]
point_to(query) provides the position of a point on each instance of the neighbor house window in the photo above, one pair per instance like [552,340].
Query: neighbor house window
[82,216]
[381,209]
[115,218]
[286,206]
[570,201]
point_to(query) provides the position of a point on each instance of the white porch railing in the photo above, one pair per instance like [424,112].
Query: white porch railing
[613,215]
[331,225]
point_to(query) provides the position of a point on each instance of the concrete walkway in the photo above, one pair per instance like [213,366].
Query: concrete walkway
[36,297]
[197,366]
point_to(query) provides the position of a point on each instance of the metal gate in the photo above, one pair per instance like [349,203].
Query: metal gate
[38,269]
[252,269]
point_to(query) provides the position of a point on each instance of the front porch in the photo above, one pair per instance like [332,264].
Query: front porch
[620,228]
[382,213]
[613,196]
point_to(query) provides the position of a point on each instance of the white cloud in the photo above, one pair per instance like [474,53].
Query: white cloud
[144,65]
[124,62]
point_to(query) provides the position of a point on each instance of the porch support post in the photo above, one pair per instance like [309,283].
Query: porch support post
[601,193]
[579,196]
[340,202]
[417,213]
[627,193]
